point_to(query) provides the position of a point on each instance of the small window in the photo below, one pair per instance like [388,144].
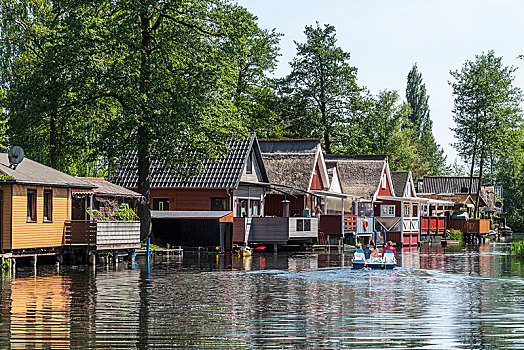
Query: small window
[300,225]
[407,211]
[249,165]
[161,204]
[242,207]
[31,205]
[219,204]
[384,181]
[48,205]
[254,207]
[387,211]
[307,224]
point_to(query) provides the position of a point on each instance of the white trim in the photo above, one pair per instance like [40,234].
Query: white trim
[385,211]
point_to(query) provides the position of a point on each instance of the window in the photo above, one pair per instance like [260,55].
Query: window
[303,225]
[365,209]
[384,181]
[48,205]
[31,205]
[249,165]
[161,204]
[219,204]
[254,207]
[387,211]
[242,207]
[407,211]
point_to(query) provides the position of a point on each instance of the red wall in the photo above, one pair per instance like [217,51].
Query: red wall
[316,182]
[386,191]
[274,206]
[384,202]
[189,199]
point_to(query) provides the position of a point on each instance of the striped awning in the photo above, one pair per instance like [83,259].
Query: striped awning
[81,191]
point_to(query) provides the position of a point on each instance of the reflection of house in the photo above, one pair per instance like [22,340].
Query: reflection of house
[36,202]
[198,210]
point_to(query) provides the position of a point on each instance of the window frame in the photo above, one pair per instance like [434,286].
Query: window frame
[161,200]
[212,199]
[386,212]
[249,165]
[49,204]
[33,203]
[250,210]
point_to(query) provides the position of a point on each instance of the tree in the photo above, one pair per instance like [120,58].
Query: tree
[486,110]
[422,124]
[322,85]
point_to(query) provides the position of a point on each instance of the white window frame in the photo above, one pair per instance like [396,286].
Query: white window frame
[409,213]
[387,211]
[384,181]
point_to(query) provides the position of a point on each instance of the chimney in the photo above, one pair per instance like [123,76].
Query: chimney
[285,212]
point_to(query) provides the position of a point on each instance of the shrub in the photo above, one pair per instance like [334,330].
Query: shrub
[517,249]
[455,235]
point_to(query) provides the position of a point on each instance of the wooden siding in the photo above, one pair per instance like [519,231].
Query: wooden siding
[316,181]
[384,191]
[256,175]
[189,199]
[474,226]
[330,225]
[274,207]
[39,234]
[5,239]
[433,225]
[304,235]
[117,233]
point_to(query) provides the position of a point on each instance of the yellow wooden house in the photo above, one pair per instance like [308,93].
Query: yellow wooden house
[35,203]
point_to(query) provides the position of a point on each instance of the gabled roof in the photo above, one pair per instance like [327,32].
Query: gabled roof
[461,199]
[29,172]
[106,188]
[360,174]
[292,162]
[401,181]
[447,184]
[223,173]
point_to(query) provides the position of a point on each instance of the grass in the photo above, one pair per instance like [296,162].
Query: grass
[517,249]
[455,235]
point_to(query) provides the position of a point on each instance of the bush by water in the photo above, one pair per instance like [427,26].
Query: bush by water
[517,249]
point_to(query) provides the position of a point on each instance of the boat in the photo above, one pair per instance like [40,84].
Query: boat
[388,262]
[245,252]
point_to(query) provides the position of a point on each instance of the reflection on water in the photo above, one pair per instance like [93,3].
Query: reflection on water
[469,298]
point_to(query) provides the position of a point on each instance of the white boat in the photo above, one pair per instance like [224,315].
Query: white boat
[388,262]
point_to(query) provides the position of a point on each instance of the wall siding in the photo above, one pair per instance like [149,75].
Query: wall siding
[38,234]
[189,199]
[5,240]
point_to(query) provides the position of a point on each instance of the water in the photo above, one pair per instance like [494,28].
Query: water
[454,298]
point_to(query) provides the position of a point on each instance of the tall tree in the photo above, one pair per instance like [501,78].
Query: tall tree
[486,110]
[322,83]
[422,124]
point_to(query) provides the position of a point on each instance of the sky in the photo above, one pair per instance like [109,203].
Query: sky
[386,37]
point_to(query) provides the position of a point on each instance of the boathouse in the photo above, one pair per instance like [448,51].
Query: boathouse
[363,178]
[35,204]
[198,211]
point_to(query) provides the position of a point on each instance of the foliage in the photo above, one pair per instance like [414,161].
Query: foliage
[321,87]
[517,249]
[125,213]
[455,235]
[486,110]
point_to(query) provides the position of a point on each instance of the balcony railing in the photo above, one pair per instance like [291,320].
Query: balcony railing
[102,233]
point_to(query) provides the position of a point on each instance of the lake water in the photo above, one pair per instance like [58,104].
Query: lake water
[454,298]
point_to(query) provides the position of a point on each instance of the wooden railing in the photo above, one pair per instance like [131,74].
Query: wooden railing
[350,222]
[472,226]
[80,232]
[433,225]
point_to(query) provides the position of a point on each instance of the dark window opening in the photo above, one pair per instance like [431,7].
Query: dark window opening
[31,205]
[300,225]
[161,204]
[464,190]
[219,204]
[249,166]
[48,205]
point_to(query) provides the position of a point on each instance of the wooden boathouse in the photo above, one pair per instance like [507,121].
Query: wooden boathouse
[37,216]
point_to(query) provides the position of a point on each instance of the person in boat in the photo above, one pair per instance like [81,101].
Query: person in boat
[245,247]
[370,248]
[359,253]
[389,248]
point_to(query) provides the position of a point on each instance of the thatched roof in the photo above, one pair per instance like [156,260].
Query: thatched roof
[360,174]
[399,178]
[289,145]
[293,170]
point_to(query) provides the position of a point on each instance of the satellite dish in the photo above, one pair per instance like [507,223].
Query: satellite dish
[15,155]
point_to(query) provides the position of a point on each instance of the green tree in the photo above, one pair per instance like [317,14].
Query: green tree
[422,124]
[322,85]
[486,110]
